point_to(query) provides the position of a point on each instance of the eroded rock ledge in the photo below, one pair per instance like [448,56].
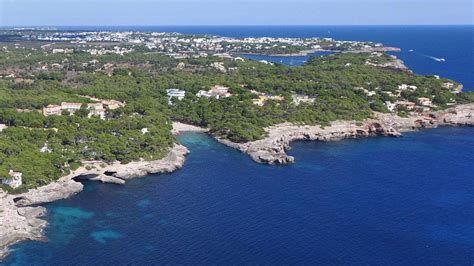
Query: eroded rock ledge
[272,149]
[20,221]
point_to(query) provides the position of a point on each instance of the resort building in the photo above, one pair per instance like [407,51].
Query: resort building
[448,85]
[108,104]
[52,110]
[216,92]
[15,179]
[175,93]
[71,107]
[425,101]
[409,106]
[112,104]
[95,109]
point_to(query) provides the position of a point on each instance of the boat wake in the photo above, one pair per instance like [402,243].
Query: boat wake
[437,59]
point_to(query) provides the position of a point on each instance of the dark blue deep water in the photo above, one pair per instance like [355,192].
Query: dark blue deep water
[453,43]
[405,201]
[376,201]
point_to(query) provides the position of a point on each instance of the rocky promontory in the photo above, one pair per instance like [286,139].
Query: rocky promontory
[272,149]
[20,221]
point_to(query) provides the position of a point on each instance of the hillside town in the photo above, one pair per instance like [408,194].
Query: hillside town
[180,45]
[50,78]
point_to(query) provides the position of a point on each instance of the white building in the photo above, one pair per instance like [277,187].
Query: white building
[71,107]
[45,148]
[448,85]
[175,93]
[206,94]
[96,109]
[216,92]
[406,87]
[406,105]
[390,106]
[425,101]
[15,179]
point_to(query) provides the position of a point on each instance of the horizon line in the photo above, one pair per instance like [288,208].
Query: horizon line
[234,25]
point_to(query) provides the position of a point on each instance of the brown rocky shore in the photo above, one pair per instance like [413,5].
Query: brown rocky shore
[20,215]
[272,149]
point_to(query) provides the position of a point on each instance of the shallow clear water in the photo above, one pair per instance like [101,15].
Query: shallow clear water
[398,201]
[369,201]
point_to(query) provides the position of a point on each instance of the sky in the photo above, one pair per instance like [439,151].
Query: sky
[234,12]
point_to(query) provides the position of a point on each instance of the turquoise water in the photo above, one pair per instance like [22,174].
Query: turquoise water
[379,201]
[376,201]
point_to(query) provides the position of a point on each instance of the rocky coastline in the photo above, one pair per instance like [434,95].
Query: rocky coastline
[272,149]
[312,51]
[20,215]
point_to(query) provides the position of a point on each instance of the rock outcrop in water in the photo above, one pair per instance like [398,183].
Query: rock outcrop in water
[19,221]
[272,149]
[17,224]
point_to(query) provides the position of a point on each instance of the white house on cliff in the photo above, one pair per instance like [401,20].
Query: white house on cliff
[15,179]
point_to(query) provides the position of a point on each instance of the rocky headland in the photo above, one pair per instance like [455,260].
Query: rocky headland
[307,52]
[272,149]
[20,215]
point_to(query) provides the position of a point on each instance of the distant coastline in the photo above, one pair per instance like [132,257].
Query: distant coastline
[312,51]
[22,221]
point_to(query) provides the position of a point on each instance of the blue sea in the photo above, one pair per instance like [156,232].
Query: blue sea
[453,43]
[373,201]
